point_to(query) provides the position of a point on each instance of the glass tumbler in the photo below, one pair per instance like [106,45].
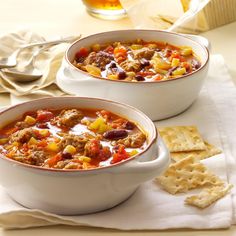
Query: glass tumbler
[105,9]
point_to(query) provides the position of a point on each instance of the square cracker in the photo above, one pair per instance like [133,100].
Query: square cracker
[199,155]
[187,174]
[208,196]
[182,138]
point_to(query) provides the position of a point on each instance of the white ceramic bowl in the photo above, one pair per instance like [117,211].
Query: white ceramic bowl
[71,192]
[160,99]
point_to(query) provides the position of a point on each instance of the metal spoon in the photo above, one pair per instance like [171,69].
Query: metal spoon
[11,61]
[28,73]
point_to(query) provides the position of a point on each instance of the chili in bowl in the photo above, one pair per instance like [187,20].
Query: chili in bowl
[161,73]
[137,61]
[92,149]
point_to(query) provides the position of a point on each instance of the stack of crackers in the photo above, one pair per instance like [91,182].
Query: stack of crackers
[187,149]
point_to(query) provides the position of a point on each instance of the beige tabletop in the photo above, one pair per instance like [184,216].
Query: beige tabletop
[68,17]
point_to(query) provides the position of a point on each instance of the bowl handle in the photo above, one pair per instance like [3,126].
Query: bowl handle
[199,39]
[136,171]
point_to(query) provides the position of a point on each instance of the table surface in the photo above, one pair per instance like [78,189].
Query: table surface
[69,17]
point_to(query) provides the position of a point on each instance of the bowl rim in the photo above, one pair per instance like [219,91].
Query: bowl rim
[140,30]
[152,141]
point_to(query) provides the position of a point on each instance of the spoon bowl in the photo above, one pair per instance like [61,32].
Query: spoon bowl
[11,61]
[27,74]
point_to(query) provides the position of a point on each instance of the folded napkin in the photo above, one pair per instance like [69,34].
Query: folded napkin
[48,62]
[150,207]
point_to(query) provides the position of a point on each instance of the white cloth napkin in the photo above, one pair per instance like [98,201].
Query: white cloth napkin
[48,62]
[150,207]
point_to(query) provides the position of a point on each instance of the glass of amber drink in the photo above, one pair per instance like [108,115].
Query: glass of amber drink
[105,9]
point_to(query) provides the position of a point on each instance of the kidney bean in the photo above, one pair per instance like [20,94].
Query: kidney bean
[129,125]
[115,134]
[42,125]
[196,64]
[113,65]
[144,62]
[66,155]
[171,70]
[139,78]
[121,75]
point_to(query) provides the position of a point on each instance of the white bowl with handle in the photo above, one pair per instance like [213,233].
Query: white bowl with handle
[70,192]
[158,99]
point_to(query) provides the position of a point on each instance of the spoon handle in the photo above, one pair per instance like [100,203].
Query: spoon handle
[52,42]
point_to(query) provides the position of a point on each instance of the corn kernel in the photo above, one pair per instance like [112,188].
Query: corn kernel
[70,149]
[113,77]
[179,71]
[99,125]
[136,46]
[96,47]
[32,141]
[175,62]
[3,140]
[85,165]
[53,147]
[30,120]
[16,144]
[93,70]
[84,159]
[186,51]
[160,71]
[161,64]
[133,152]
[44,132]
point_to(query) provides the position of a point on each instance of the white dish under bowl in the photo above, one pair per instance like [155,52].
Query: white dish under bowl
[159,100]
[70,192]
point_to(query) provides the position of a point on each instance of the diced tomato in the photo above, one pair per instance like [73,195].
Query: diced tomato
[120,52]
[83,52]
[104,154]
[120,155]
[187,66]
[145,73]
[30,113]
[95,147]
[52,161]
[25,147]
[109,49]
[176,54]
[44,116]
[12,130]
[105,114]
[42,143]
[157,77]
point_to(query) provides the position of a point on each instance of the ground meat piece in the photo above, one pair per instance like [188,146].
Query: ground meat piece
[68,118]
[92,148]
[73,165]
[38,157]
[78,141]
[133,141]
[22,125]
[22,136]
[128,65]
[99,59]
[62,164]
[144,52]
